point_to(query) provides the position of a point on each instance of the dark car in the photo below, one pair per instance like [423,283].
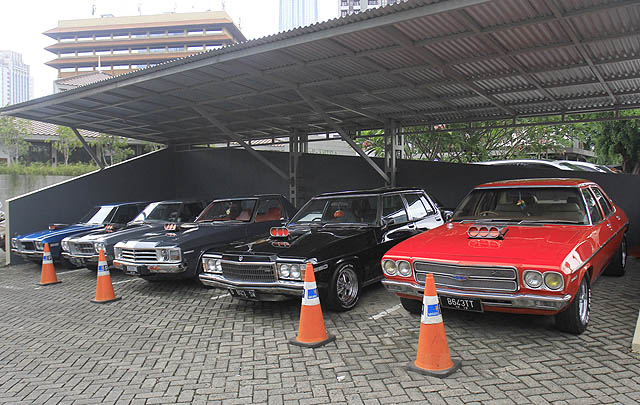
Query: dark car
[175,251]
[31,246]
[343,234]
[82,250]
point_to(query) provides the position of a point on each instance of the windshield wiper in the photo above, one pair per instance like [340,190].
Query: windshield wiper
[550,221]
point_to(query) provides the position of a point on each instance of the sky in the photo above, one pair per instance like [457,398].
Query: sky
[22,23]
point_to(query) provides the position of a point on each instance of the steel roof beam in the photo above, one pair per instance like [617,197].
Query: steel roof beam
[87,148]
[239,140]
[345,137]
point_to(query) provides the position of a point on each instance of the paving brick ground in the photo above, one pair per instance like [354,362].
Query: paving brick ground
[180,343]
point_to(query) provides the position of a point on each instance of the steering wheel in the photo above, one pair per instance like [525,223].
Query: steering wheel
[487,213]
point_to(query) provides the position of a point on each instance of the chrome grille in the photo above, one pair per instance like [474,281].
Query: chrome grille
[81,248]
[468,277]
[260,272]
[139,255]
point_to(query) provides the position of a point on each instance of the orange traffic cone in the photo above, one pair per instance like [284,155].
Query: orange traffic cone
[433,351]
[311,332]
[104,288]
[48,275]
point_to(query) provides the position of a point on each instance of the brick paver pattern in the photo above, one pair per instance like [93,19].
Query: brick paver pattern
[176,342]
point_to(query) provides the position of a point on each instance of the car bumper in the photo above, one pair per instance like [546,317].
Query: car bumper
[496,300]
[83,259]
[149,269]
[265,291]
[28,254]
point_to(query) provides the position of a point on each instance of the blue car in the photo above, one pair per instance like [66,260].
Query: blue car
[112,216]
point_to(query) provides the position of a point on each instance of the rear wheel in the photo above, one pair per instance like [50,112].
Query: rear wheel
[344,288]
[412,306]
[575,318]
[618,264]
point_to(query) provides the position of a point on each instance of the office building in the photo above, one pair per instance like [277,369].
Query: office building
[16,84]
[356,6]
[297,13]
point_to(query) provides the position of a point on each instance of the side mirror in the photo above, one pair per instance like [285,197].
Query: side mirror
[447,215]
[388,221]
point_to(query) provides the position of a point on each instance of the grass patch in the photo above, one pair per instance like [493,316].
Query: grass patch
[73,169]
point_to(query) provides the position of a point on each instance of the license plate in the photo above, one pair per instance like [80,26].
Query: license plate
[133,270]
[247,294]
[464,304]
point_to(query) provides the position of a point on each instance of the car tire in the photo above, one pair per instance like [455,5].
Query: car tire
[412,306]
[575,318]
[344,288]
[618,264]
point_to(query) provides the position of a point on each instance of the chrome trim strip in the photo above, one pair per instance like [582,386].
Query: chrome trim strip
[601,246]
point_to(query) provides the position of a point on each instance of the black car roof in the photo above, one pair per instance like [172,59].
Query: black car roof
[249,197]
[375,191]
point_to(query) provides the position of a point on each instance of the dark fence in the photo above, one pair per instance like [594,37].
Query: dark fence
[220,173]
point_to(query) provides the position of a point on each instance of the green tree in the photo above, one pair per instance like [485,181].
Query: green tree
[66,143]
[13,132]
[112,149]
[619,141]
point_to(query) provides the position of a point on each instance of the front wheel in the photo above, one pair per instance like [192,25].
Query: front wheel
[575,318]
[344,288]
[618,264]
[412,306]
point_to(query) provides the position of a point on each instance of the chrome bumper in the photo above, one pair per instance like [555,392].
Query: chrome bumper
[28,253]
[504,300]
[83,258]
[280,287]
[152,268]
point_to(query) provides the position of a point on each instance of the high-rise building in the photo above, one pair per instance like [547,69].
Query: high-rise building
[297,13]
[355,6]
[16,84]
[119,45]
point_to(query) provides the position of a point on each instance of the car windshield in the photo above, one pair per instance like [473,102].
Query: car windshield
[160,212]
[229,210]
[338,210]
[526,204]
[98,215]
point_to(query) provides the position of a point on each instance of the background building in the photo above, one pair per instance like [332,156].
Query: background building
[121,44]
[297,13]
[16,84]
[355,6]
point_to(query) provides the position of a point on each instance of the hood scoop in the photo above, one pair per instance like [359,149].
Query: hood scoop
[53,227]
[480,231]
[279,232]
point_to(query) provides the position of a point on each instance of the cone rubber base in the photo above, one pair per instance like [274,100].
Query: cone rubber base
[106,301]
[51,283]
[313,345]
[435,373]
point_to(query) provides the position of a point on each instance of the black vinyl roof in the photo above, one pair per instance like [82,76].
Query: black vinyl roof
[420,62]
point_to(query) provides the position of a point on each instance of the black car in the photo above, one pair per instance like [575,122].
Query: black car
[343,234]
[175,251]
[82,250]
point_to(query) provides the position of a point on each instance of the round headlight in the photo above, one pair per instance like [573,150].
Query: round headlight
[533,278]
[98,246]
[553,281]
[295,270]
[285,270]
[164,254]
[389,267]
[404,268]
[218,265]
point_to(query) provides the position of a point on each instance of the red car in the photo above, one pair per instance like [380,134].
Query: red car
[522,246]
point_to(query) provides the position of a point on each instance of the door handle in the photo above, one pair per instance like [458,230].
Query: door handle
[411,226]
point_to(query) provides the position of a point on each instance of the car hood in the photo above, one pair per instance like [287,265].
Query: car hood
[193,236]
[116,236]
[300,244]
[59,234]
[546,245]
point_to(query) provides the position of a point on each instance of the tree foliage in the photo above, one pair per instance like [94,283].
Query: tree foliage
[112,149]
[66,143]
[13,132]
[619,141]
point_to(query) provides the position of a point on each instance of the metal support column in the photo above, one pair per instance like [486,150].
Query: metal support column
[393,149]
[87,148]
[235,138]
[296,148]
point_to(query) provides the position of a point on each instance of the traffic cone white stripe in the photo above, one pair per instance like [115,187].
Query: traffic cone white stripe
[103,269]
[46,258]
[430,311]
[310,296]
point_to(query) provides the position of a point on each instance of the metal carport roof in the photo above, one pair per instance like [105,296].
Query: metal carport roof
[417,62]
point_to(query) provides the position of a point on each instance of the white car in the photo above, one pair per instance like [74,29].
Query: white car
[536,164]
[590,167]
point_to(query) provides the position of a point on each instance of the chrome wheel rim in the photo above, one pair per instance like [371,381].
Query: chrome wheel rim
[623,249]
[583,302]
[347,286]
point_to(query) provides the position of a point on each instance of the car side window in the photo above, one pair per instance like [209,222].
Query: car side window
[416,207]
[604,203]
[592,206]
[393,208]
[124,214]
[269,209]
[190,211]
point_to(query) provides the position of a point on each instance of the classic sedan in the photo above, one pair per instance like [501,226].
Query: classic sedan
[83,249]
[343,234]
[530,246]
[31,246]
[175,251]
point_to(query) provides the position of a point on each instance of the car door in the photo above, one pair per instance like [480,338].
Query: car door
[424,215]
[600,231]
[612,225]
